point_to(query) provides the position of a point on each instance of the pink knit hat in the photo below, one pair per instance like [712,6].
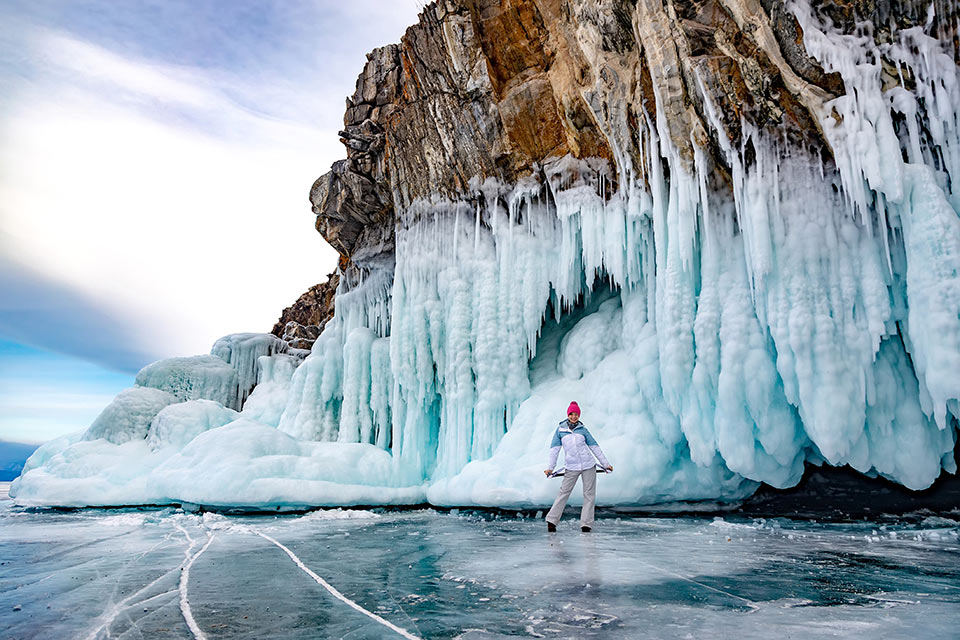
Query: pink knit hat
[573,408]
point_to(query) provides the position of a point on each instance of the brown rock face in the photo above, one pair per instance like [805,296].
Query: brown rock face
[475,89]
[494,88]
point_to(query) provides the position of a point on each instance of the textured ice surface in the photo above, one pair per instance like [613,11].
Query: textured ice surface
[99,574]
[242,463]
[178,424]
[714,338]
[129,415]
[242,351]
[193,378]
[269,397]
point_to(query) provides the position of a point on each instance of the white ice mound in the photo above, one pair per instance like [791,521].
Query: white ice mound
[247,463]
[193,378]
[649,466]
[178,424]
[241,464]
[89,473]
[591,340]
[129,416]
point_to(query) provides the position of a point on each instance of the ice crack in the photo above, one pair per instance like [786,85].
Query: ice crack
[336,594]
[185,579]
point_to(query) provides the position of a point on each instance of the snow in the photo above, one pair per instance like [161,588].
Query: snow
[714,339]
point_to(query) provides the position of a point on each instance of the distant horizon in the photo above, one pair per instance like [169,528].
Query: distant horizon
[29,444]
[45,394]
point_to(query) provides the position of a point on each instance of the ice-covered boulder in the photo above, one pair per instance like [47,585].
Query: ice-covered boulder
[242,352]
[91,473]
[205,377]
[178,424]
[47,450]
[129,416]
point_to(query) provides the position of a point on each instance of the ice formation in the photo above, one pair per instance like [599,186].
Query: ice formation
[714,340]
[176,425]
[242,463]
[242,352]
[269,397]
[129,415]
[193,378]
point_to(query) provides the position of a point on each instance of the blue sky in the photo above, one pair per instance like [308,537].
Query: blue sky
[155,161]
[44,393]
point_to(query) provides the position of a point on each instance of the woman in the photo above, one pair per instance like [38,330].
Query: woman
[579,450]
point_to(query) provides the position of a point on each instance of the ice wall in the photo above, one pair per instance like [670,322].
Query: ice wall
[269,397]
[227,375]
[242,352]
[808,312]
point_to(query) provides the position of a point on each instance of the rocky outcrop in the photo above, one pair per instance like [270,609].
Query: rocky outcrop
[301,323]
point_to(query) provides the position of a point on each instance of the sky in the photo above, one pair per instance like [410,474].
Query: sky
[155,163]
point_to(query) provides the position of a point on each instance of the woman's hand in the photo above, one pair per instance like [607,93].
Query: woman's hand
[610,469]
[547,472]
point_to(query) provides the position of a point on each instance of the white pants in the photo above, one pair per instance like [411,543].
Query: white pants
[589,496]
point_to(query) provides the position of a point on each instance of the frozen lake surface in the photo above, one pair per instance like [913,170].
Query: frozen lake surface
[164,573]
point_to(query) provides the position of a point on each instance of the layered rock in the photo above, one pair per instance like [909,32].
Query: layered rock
[493,88]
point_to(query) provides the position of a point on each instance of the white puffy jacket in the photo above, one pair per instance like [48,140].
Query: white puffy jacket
[579,448]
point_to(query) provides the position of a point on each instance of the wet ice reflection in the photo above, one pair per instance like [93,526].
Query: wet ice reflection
[147,573]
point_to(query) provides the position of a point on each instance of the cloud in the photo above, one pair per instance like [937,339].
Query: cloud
[186,236]
[155,161]
[102,69]
[38,311]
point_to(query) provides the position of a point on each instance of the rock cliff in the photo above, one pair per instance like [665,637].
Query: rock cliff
[301,323]
[493,88]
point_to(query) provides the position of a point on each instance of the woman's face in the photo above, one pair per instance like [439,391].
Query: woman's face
[573,417]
